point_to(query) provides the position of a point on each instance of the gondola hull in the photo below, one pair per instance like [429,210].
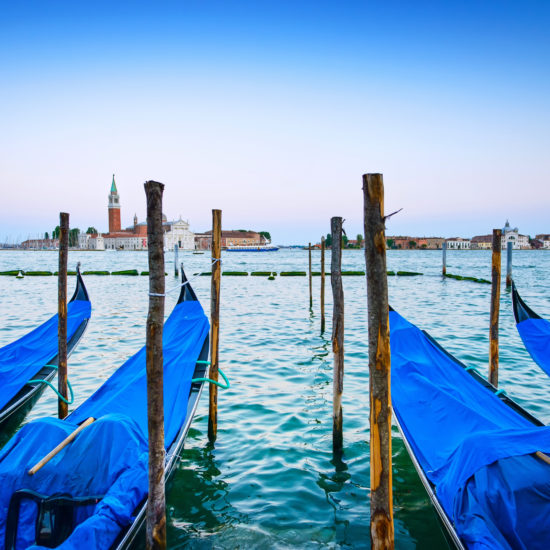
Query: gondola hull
[533,330]
[96,488]
[472,446]
[20,367]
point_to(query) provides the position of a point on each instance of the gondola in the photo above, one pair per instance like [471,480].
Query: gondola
[533,330]
[93,494]
[27,364]
[477,452]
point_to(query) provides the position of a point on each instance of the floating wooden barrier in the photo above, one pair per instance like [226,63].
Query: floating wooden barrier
[39,273]
[126,272]
[260,273]
[236,273]
[11,272]
[292,274]
[464,278]
[96,273]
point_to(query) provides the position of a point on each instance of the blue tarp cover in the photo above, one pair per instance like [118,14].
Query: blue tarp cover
[22,359]
[109,457]
[470,445]
[535,334]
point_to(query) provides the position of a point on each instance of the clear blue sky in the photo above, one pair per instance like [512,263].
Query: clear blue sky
[272,111]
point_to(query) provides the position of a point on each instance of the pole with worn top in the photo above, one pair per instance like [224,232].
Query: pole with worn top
[62,374]
[215,322]
[310,281]
[444,269]
[495,307]
[176,261]
[381,507]
[156,504]
[508,264]
[337,334]
[322,285]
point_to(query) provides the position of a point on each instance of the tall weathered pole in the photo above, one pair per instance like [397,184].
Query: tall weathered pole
[444,269]
[508,264]
[495,307]
[215,321]
[310,281]
[381,507]
[156,506]
[62,407]
[176,260]
[337,334]
[322,285]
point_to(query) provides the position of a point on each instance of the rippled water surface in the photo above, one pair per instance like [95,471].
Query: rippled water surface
[270,480]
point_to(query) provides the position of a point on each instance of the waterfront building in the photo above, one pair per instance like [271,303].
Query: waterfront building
[458,243]
[482,242]
[545,239]
[512,235]
[135,236]
[178,232]
[40,244]
[434,243]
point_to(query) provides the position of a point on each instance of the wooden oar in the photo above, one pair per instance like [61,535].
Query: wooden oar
[543,457]
[61,446]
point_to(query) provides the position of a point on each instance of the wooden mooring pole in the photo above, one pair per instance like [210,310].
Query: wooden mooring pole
[381,506]
[310,281]
[508,264]
[156,505]
[322,300]
[62,407]
[176,262]
[215,322]
[337,335]
[444,269]
[495,307]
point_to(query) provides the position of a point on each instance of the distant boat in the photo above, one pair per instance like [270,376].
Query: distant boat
[534,331]
[478,453]
[252,248]
[197,252]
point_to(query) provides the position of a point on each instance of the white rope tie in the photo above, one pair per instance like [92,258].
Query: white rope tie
[173,289]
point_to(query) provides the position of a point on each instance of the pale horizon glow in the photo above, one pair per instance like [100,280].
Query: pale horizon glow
[272,112]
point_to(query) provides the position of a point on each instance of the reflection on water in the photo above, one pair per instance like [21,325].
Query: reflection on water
[271,481]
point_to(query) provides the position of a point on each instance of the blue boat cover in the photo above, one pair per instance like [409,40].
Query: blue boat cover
[108,458]
[22,359]
[472,447]
[535,334]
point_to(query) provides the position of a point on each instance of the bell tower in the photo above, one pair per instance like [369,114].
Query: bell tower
[114,209]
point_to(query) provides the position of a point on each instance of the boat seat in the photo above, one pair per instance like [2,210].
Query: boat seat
[55,519]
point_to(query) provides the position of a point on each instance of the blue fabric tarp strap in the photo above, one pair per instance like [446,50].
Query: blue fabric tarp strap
[460,432]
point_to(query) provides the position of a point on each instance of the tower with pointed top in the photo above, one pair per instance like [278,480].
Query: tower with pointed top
[114,209]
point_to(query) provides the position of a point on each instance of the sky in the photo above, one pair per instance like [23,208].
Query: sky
[273,110]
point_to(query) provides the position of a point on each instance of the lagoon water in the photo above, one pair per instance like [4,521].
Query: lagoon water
[270,480]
